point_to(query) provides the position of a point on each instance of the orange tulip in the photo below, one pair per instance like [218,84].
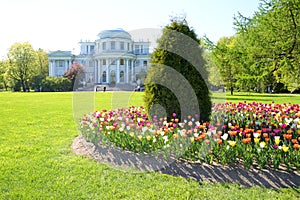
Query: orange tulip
[202,135]
[294,141]
[219,141]
[245,140]
[232,133]
[296,146]
[266,135]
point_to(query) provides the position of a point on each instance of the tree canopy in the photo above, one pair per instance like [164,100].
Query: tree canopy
[22,64]
[265,49]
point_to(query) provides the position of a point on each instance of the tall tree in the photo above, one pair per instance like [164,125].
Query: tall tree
[22,64]
[225,56]
[42,69]
[3,75]
[271,41]
[177,79]
[42,63]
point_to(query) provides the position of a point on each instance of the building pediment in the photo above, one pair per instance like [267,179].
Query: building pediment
[60,54]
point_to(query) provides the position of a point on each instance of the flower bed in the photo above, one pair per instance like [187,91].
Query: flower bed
[251,133]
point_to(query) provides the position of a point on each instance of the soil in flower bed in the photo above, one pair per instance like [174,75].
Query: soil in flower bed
[238,174]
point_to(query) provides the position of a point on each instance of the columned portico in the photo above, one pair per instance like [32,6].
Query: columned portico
[109,59]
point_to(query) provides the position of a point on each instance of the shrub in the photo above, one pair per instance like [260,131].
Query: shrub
[56,84]
[177,74]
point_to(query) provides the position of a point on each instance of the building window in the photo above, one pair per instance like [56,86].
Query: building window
[128,47]
[104,76]
[112,45]
[122,76]
[61,63]
[92,48]
[122,45]
[104,46]
[142,49]
[121,61]
[103,62]
[136,49]
[145,63]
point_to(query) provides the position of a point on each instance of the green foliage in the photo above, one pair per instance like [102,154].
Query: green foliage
[224,56]
[3,75]
[177,74]
[269,43]
[42,63]
[22,65]
[265,50]
[56,84]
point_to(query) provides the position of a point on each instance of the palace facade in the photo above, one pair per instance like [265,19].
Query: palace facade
[114,58]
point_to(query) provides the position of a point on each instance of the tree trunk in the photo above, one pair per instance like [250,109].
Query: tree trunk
[231,90]
[23,86]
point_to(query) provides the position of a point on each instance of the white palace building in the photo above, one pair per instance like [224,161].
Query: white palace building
[113,58]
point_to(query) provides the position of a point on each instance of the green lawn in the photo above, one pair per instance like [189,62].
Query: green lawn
[36,161]
[257,97]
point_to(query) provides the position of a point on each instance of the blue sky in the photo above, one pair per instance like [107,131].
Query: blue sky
[61,24]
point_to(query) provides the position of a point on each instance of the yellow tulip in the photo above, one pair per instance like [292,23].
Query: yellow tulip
[256,140]
[148,137]
[285,149]
[140,137]
[232,143]
[277,140]
[192,139]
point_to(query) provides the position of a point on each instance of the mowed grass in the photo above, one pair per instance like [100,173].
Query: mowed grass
[36,160]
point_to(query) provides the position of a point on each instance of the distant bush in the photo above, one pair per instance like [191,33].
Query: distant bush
[56,84]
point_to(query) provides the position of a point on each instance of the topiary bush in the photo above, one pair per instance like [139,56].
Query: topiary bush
[176,81]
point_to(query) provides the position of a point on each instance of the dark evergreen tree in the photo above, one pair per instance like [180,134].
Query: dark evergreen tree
[177,79]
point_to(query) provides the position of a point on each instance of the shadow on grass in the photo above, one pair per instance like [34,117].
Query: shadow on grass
[123,161]
[268,178]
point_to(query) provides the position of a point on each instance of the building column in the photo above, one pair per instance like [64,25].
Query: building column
[99,78]
[132,74]
[107,73]
[118,71]
[66,65]
[126,71]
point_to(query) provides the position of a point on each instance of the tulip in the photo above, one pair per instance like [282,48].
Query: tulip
[256,140]
[285,149]
[225,136]
[277,140]
[232,143]
[262,144]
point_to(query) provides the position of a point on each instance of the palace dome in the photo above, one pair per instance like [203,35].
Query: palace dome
[116,33]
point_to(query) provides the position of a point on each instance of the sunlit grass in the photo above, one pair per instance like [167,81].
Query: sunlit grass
[36,161]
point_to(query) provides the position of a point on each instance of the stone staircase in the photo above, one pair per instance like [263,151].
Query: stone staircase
[109,87]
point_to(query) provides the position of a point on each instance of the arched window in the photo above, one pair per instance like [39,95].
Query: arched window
[122,76]
[104,76]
